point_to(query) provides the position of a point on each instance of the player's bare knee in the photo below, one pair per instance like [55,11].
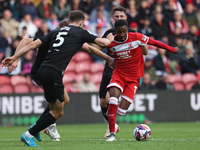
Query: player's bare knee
[66,101]
[121,111]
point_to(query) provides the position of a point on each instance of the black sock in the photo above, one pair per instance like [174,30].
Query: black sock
[46,110]
[44,121]
[104,112]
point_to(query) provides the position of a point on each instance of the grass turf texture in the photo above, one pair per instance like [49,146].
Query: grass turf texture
[165,136]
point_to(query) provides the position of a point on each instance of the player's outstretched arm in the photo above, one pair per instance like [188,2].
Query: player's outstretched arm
[104,42]
[21,44]
[163,45]
[99,53]
[10,60]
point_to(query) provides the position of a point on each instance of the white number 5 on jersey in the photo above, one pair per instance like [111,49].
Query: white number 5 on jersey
[60,39]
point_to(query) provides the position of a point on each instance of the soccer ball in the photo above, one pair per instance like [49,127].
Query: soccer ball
[142,132]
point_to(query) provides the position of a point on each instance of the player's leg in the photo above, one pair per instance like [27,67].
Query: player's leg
[112,111]
[52,131]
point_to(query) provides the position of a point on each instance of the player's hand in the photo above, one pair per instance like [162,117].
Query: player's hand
[110,37]
[12,67]
[8,61]
[112,63]
[177,50]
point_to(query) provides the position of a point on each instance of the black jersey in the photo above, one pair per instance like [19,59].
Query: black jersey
[42,52]
[107,69]
[63,44]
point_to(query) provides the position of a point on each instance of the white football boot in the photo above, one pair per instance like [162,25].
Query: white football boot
[52,132]
[111,137]
[107,134]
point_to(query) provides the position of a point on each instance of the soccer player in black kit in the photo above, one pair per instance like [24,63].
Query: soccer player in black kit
[51,131]
[64,43]
[118,13]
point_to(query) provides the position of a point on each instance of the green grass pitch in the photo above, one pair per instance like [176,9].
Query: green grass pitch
[165,136]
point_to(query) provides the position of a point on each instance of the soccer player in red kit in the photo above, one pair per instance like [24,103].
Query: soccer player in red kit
[127,51]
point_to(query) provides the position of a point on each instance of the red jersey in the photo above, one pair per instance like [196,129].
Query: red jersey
[129,56]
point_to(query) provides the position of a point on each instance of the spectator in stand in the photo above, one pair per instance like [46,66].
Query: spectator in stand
[53,22]
[43,30]
[24,33]
[44,9]
[169,12]
[27,63]
[9,24]
[16,7]
[163,64]
[159,27]
[30,9]
[146,83]
[143,11]
[3,44]
[179,22]
[151,70]
[87,6]
[164,84]
[87,85]
[133,26]
[74,87]
[27,22]
[193,35]
[100,7]
[190,15]
[62,8]
[176,4]
[146,29]
[190,62]
[132,13]
[197,85]
[75,5]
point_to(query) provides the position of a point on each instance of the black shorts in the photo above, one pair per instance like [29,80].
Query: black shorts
[34,77]
[104,82]
[51,82]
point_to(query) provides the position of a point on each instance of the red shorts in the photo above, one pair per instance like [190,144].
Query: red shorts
[127,87]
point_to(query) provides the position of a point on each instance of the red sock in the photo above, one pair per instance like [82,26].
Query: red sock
[112,113]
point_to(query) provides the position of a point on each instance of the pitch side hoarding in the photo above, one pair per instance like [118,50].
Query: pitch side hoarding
[160,106]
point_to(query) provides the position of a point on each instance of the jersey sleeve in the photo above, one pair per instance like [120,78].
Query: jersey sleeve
[88,37]
[45,39]
[143,39]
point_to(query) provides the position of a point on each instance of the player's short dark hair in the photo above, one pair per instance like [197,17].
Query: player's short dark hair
[120,23]
[119,8]
[76,16]
[63,23]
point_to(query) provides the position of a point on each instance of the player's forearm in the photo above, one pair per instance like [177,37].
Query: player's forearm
[97,52]
[23,43]
[103,42]
[161,45]
[145,50]
[27,48]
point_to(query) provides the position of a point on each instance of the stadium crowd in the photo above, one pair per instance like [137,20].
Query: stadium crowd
[174,22]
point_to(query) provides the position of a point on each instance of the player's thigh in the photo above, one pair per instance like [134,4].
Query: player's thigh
[104,82]
[51,82]
[56,106]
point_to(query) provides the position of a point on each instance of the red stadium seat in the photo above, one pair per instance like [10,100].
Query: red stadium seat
[68,77]
[79,77]
[4,79]
[174,78]
[6,89]
[36,89]
[179,86]
[96,78]
[21,88]
[189,79]
[96,67]
[71,67]
[16,79]
[83,67]
[82,56]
